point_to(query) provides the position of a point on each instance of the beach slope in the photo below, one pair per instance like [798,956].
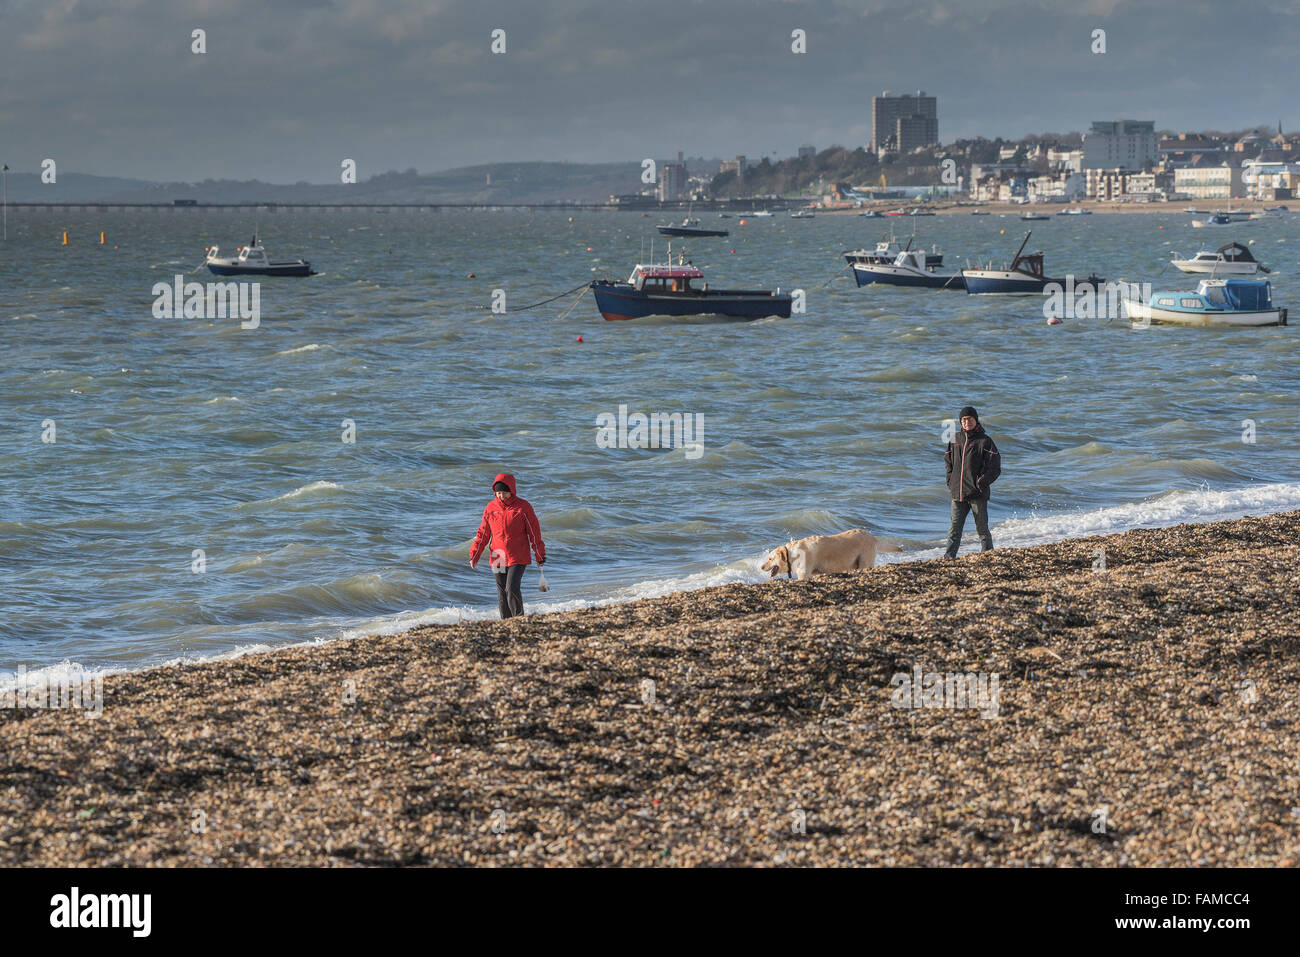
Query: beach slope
[1145,714]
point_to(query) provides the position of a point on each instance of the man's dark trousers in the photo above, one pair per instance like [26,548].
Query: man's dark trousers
[980,506]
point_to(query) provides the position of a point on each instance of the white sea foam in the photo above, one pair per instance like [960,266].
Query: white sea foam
[304,490]
[1170,508]
[310,347]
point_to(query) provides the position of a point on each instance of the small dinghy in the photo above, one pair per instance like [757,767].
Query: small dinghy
[1216,302]
[252,261]
[1234,259]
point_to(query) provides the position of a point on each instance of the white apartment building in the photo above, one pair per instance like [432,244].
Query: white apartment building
[1209,182]
[1121,144]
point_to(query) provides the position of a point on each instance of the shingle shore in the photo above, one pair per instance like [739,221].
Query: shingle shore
[1147,715]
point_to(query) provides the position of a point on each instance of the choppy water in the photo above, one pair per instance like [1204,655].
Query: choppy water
[184,434]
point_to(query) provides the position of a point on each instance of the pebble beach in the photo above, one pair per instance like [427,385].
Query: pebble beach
[1146,716]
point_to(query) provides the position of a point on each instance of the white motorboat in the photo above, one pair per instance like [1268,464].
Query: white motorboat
[1234,259]
[1219,219]
[886,252]
[907,269]
[252,261]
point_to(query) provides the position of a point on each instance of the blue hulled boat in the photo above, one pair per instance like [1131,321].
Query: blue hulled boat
[908,269]
[1024,275]
[668,290]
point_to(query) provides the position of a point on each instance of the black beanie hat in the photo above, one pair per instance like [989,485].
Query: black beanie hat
[500,487]
[969,410]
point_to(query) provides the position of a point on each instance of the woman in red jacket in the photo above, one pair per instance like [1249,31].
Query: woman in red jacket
[510,525]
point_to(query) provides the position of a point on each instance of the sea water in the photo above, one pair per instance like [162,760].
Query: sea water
[199,493]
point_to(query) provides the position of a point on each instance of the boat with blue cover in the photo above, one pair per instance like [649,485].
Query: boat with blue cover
[679,291]
[1215,302]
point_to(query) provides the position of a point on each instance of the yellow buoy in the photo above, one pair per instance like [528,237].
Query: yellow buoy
[101,238]
[65,237]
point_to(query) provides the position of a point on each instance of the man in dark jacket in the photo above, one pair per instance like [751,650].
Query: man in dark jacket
[973,464]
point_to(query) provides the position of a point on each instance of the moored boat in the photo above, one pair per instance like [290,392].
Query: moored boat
[670,290]
[1234,259]
[887,251]
[1219,219]
[252,261]
[689,227]
[907,269]
[1215,302]
[1034,217]
[1024,275]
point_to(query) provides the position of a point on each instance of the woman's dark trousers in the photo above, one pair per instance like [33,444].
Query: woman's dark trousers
[509,597]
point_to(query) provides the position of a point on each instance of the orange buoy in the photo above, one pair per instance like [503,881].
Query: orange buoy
[1004,232]
[101,238]
[65,237]
[470,276]
[579,339]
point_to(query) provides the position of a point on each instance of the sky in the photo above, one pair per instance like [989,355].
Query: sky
[287,90]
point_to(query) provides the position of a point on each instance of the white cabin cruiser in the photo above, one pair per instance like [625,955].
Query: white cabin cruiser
[1234,259]
[252,261]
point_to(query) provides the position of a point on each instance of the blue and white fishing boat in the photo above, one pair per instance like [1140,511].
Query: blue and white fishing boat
[908,269]
[1024,275]
[670,290]
[1216,302]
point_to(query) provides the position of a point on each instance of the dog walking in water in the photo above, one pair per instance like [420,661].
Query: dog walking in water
[849,551]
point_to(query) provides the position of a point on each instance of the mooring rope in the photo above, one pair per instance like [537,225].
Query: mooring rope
[534,305]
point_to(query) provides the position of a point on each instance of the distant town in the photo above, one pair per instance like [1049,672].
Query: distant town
[1115,161]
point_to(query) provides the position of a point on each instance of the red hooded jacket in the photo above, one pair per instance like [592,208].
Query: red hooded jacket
[509,526]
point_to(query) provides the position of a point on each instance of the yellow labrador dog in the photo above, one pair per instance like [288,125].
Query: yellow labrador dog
[846,552]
